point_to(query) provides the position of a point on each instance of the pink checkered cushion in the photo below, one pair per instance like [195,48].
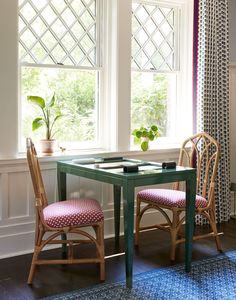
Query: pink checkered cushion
[73,212]
[170,198]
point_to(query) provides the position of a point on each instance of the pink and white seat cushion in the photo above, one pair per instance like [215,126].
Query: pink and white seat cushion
[72,213]
[171,198]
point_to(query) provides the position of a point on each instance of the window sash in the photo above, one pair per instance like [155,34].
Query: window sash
[79,55]
[151,39]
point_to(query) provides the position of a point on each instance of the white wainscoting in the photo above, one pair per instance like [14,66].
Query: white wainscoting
[17,199]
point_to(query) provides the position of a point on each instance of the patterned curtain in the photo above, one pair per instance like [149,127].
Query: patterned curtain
[211,88]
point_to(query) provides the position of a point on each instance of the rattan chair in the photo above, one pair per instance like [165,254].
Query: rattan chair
[64,218]
[202,152]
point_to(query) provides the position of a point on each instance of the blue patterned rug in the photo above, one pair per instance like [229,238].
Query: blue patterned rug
[210,279]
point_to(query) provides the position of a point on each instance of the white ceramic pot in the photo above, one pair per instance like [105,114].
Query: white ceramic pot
[48,146]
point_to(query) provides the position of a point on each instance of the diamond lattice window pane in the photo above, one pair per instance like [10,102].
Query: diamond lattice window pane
[135,25]
[49,40]
[158,16]
[87,2]
[92,8]
[77,30]
[59,5]
[166,28]
[150,8]
[86,43]
[58,28]
[78,6]
[48,60]
[92,55]
[58,53]
[141,59]
[166,10]
[68,41]
[38,26]
[150,48]
[153,37]
[28,38]
[39,52]
[157,61]
[39,4]
[170,60]
[142,36]
[68,17]
[171,19]
[150,26]
[135,47]
[92,32]
[28,12]
[78,54]
[22,51]
[54,28]
[165,50]
[29,59]
[170,39]
[68,62]
[158,38]
[86,62]
[49,15]
[87,19]
[141,13]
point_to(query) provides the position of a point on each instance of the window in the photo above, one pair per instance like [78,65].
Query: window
[60,52]
[159,66]
[82,51]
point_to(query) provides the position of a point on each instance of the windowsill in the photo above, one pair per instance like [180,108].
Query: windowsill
[163,149]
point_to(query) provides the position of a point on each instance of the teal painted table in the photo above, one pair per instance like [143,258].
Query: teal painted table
[149,173]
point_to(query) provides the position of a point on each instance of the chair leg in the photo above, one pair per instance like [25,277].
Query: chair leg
[137,223]
[214,229]
[173,233]
[102,254]
[99,230]
[38,241]
[33,265]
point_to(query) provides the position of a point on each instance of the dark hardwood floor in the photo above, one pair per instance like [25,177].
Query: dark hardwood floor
[50,280]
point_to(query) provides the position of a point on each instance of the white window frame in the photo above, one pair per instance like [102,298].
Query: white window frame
[183,115]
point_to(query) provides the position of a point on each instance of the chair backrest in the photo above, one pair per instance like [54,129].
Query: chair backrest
[201,151]
[36,176]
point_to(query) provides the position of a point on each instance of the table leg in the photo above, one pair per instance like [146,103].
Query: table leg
[61,181]
[117,194]
[128,205]
[190,213]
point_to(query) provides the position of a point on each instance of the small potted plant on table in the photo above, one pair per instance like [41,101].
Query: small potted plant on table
[49,115]
[143,135]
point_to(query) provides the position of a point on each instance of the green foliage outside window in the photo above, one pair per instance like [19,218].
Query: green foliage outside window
[149,101]
[76,92]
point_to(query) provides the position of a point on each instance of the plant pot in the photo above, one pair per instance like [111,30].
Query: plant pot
[48,146]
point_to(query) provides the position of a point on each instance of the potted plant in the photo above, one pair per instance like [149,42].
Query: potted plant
[143,135]
[49,115]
